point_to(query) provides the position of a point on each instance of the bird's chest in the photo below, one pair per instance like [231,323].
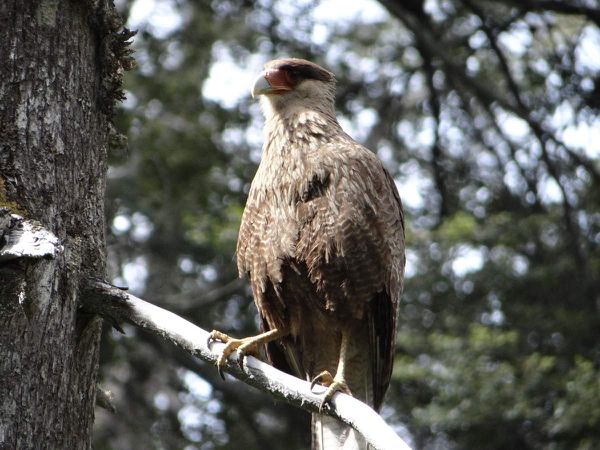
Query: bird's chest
[288,186]
[286,196]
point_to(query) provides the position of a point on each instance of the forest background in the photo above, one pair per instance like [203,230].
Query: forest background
[485,112]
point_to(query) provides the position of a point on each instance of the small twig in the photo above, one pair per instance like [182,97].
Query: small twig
[104,399]
[116,304]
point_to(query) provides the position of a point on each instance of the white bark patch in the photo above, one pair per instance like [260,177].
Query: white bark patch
[27,239]
[21,298]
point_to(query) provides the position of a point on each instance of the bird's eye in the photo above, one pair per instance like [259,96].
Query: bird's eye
[292,71]
[294,74]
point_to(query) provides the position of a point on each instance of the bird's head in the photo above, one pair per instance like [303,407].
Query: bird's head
[286,82]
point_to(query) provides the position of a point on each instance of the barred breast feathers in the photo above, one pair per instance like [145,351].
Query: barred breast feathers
[305,150]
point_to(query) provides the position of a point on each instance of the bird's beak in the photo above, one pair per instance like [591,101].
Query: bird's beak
[261,86]
[271,82]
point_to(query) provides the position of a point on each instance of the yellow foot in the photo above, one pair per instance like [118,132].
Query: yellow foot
[245,346]
[333,384]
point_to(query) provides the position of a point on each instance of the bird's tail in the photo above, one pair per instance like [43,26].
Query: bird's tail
[329,433]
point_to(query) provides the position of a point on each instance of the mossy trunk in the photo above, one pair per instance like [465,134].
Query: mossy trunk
[60,65]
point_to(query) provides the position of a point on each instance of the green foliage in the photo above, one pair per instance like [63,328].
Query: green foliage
[459,228]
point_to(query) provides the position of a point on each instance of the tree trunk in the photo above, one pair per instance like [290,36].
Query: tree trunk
[60,71]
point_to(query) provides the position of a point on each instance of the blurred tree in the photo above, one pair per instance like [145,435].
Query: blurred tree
[485,111]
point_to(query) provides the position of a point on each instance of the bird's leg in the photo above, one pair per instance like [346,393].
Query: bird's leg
[244,346]
[337,383]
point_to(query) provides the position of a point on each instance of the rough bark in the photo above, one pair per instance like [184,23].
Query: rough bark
[60,70]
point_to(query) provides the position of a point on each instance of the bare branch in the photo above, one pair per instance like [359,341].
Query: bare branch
[116,304]
[577,8]
[434,46]
[439,172]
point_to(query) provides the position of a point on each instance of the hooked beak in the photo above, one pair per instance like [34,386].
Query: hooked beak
[261,86]
[271,82]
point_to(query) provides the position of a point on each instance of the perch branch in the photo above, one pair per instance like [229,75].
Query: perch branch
[117,305]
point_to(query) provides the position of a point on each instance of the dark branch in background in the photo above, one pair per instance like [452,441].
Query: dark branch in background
[433,46]
[492,35]
[570,7]
[568,214]
[531,180]
[390,106]
[117,305]
[542,137]
[181,305]
[439,173]
[436,47]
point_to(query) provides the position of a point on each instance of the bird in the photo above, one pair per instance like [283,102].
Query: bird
[322,243]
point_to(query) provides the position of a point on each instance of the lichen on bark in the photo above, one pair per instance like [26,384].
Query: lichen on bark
[115,55]
[6,202]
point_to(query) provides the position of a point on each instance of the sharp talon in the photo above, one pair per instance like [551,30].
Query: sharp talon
[333,386]
[245,346]
[314,382]
[324,405]
[212,337]
[324,378]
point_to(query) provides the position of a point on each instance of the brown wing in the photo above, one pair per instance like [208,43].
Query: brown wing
[264,242]
[383,309]
[352,241]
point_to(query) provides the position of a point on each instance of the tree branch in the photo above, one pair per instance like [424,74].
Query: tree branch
[116,305]
[561,7]
[488,95]
[438,169]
